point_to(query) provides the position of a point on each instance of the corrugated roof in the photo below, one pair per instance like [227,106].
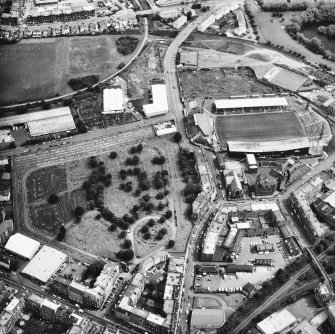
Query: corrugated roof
[251,103]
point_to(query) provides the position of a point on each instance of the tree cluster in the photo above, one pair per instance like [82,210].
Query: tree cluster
[126,44]
[158,160]
[125,255]
[160,179]
[93,270]
[133,161]
[136,149]
[61,234]
[80,83]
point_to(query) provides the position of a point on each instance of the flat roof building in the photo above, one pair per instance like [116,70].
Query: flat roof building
[112,100]
[276,322]
[159,105]
[22,246]
[44,264]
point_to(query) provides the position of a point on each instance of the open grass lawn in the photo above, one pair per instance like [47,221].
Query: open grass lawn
[30,70]
[43,182]
[39,69]
[259,127]
[218,83]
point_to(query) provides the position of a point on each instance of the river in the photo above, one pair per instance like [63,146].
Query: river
[311,31]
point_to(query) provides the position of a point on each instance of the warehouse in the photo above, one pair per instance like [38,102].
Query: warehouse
[52,121]
[249,103]
[112,100]
[22,246]
[159,105]
[44,264]
[276,322]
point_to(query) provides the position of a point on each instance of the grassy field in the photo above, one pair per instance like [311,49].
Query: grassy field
[219,83]
[259,127]
[39,69]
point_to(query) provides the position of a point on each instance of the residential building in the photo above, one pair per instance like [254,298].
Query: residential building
[6,230]
[61,285]
[300,201]
[324,294]
[177,24]
[206,23]
[5,195]
[10,314]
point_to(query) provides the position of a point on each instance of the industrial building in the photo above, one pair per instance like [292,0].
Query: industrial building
[206,23]
[277,322]
[112,100]
[251,163]
[249,103]
[207,319]
[22,246]
[179,22]
[159,105]
[44,264]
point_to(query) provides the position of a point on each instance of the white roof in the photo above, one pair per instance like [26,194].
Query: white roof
[156,319]
[276,322]
[268,146]
[52,121]
[23,246]
[159,103]
[251,159]
[331,199]
[113,100]
[12,305]
[45,263]
[250,103]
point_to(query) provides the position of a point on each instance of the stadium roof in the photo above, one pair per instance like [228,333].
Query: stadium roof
[112,100]
[204,121]
[44,264]
[250,103]
[276,322]
[285,78]
[55,120]
[210,318]
[23,246]
[159,103]
[268,146]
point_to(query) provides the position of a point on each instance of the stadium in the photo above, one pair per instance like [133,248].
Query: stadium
[283,132]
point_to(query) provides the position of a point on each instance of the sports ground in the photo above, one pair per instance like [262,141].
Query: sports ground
[39,69]
[259,127]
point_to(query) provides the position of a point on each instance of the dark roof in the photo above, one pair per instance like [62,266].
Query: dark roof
[234,268]
[249,288]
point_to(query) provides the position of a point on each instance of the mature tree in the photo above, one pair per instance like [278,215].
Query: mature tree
[168,214]
[160,195]
[122,235]
[160,206]
[144,184]
[170,243]
[112,228]
[93,161]
[177,137]
[147,236]
[163,230]
[145,229]
[151,222]
[113,155]
[78,211]
[133,150]
[139,148]
[162,219]
[127,244]
[136,170]
[61,233]
[53,199]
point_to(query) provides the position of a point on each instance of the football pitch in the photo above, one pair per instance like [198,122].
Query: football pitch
[40,69]
[259,127]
